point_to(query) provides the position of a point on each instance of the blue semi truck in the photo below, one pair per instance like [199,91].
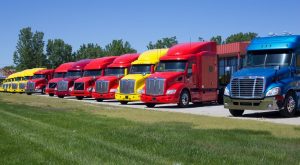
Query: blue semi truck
[270,78]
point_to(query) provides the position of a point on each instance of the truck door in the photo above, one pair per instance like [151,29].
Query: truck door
[297,70]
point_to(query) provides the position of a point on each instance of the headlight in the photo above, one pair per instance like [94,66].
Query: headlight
[226,92]
[70,89]
[113,90]
[273,92]
[55,88]
[90,89]
[171,91]
[93,90]
[141,91]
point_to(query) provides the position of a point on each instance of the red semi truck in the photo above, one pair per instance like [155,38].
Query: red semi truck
[59,74]
[106,86]
[187,73]
[83,86]
[65,85]
[39,81]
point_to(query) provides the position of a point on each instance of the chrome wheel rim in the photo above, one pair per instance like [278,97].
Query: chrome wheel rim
[291,104]
[185,98]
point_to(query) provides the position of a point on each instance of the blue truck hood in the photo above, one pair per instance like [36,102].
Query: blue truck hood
[268,72]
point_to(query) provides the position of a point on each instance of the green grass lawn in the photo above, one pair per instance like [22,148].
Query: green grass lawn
[40,130]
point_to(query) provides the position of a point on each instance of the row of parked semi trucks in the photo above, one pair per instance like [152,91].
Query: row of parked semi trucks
[189,72]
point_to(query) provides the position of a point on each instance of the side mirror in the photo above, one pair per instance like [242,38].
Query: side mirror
[152,69]
[194,69]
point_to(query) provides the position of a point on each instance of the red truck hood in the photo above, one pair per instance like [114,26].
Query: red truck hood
[166,75]
[38,81]
[85,79]
[110,78]
[55,80]
[70,78]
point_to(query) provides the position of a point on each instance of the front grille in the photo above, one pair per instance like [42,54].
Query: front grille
[79,86]
[102,86]
[62,86]
[155,86]
[127,86]
[52,85]
[247,87]
[22,86]
[30,86]
[14,86]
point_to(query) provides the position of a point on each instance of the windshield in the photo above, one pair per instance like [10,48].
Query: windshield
[18,79]
[91,73]
[171,66]
[265,59]
[27,77]
[114,71]
[36,76]
[140,69]
[74,74]
[59,75]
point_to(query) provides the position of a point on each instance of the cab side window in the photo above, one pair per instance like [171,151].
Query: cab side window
[190,70]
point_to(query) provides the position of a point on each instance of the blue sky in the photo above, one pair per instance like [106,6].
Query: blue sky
[137,21]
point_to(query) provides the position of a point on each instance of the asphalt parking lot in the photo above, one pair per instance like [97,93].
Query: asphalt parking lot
[205,109]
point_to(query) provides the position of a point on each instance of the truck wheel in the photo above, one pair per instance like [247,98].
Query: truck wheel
[51,94]
[290,105]
[236,113]
[123,102]
[184,99]
[79,97]
[43,91]
[60,96]
[28,93]
[99,100]
[150,105]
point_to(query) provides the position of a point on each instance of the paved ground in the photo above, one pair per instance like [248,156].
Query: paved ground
[206,109]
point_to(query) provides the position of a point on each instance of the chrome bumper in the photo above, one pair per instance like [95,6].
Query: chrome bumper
[268,103]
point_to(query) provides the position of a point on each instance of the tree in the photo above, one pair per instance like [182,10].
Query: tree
[217,39]
[163,43]
[58,52]
[29,50]
[239,37]
[89,51]
[118,47]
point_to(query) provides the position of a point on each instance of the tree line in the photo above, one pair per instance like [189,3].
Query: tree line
[32,51]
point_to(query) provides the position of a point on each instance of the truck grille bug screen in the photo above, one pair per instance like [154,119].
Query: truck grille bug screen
[62,86]
[127,86]
[248,88]
[155,86]
[102,86]
[79,86]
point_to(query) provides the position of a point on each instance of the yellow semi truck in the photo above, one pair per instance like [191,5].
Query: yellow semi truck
[131,85]
[9,81]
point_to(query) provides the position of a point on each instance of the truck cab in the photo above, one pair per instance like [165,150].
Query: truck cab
[26,75]
[64,86]
[131,85]
[83,86]
[270,79]
[59,73]
[15,78]
[187,73]
[39,81]
[106,86]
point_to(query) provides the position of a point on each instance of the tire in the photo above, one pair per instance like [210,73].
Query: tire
[290,105]
[61,97]
[236,113]
[99,100]
[79,97]
[29,93]
[123,102]
[51,94]
[43,91]
[150,105]
[184,99]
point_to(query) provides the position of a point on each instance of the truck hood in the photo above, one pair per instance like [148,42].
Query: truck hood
[85,79]
[109,78]
[55,80]
[268,73]
[166,75]
[70,78]
[137,77]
